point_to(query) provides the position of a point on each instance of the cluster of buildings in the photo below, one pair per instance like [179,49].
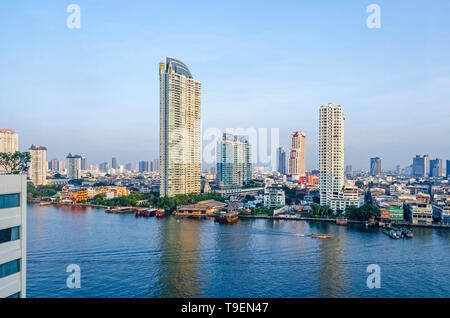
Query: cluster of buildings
[82,194]
[407,200]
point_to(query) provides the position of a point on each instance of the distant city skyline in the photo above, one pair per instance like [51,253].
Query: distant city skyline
[95,90]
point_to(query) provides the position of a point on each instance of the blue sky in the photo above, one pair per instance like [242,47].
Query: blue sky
[262,64]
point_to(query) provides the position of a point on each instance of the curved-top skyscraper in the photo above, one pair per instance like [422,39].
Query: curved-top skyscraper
[180,138]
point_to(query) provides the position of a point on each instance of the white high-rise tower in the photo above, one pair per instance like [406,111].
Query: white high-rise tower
[180,138]
[38,165]
[331,160]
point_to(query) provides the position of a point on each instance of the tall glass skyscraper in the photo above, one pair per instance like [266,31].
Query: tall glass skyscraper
[436,168]
[281,159]
[421,166]
[234,166]
[375,166]
[180,138]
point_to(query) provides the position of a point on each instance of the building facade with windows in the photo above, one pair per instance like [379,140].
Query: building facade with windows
[296,164]
[13,207]
[73,167]
[331,155]
[180,125]
[9,141]
[436,168]
[274,196]
[281,160]
[375,166]
[38,165]
[421,166]
[234,167]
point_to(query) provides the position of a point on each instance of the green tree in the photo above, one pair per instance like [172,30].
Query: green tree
[15,163]
[362,213]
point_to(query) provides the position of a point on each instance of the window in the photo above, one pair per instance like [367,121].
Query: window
[16,295]
[11,234]
[9,200]
[9,268]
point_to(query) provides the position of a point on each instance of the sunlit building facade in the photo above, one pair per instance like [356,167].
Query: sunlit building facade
[296,164]
[331,160]
[38,165]
[180,125]
[9,141]
[13,234]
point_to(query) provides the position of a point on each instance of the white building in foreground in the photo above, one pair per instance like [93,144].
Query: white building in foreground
[13,208]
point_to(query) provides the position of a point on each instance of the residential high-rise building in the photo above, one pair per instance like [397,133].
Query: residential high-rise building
[9,141]
[155,165]
[84,164]
[297,156]
[234,167]
[114,163]
[38,165]
[398,170]
[180,139]
[54,165]
[144,166]
[13,235]
[281,159]
[420,167]
[331,160]
[61,166]
[73,166]
[436,168]
[375,166]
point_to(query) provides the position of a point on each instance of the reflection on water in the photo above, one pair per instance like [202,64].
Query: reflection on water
[179,260]
[125,256]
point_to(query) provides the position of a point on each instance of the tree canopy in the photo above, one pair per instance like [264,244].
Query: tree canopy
[362,213]
[15,163]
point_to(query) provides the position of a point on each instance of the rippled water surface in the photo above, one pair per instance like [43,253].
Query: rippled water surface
[125,256]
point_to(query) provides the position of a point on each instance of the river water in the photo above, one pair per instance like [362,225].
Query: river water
[125,256]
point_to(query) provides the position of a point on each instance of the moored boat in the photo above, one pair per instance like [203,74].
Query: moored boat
[160,213]
[341,221]
[227,218]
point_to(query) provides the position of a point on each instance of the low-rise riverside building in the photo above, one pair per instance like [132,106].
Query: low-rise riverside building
[206,207]
[392,211]
[274,196]
[74,194]
[108,192]
[420,213]
[13,211]
[345,198]
[442,212]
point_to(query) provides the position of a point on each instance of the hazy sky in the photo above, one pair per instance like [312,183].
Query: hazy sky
[262,64]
